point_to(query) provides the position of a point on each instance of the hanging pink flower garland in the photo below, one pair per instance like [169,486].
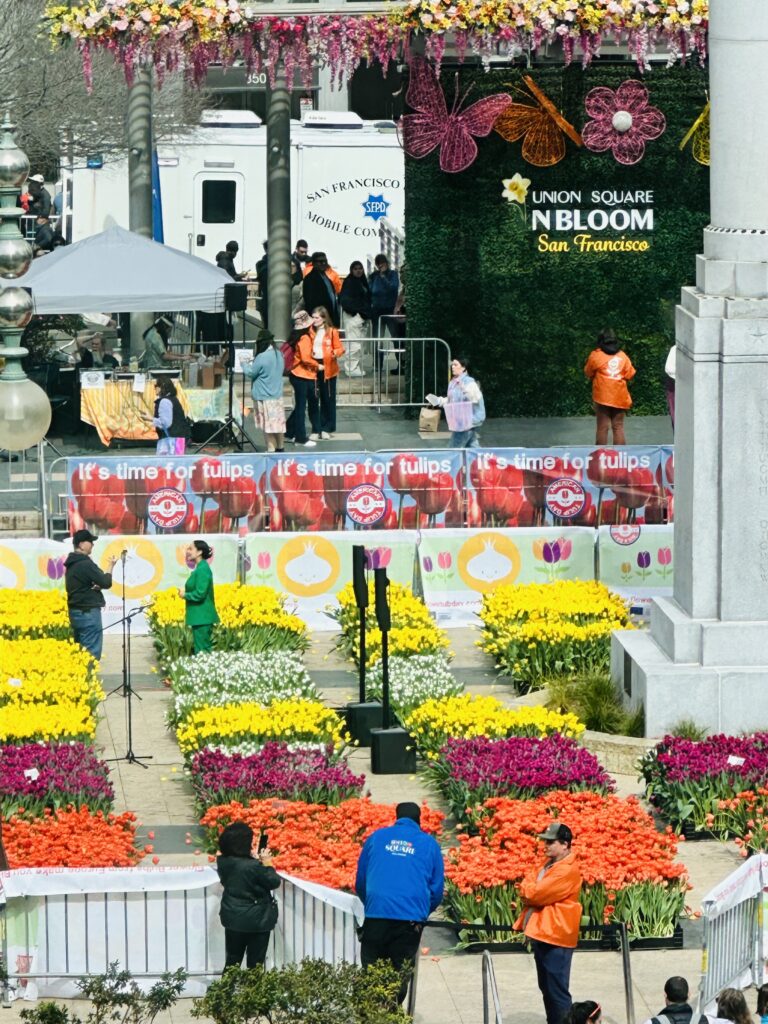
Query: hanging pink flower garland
[194,33]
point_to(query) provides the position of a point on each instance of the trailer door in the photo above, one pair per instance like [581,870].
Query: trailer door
[218,218]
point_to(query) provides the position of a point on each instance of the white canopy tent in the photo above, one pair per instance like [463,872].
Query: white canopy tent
[118,271]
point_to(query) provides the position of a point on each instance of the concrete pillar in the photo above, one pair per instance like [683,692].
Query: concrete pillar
[138,136]
[706,656]
[329,98]
[279,205]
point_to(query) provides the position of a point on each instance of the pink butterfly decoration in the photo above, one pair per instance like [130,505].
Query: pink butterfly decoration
[434,126]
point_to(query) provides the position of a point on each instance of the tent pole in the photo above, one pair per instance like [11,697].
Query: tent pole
[279,204]
[138,133]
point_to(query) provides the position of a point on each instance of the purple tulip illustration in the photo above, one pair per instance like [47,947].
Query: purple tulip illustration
[54,570]
[427,564]
[643,562]
[552,552]
[664,558]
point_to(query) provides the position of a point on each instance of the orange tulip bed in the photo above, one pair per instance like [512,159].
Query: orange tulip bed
[629,868]
[313,841]
[69,838]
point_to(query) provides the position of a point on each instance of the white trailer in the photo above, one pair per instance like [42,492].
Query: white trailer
[347,189]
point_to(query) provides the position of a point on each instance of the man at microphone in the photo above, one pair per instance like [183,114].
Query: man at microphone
[85,581]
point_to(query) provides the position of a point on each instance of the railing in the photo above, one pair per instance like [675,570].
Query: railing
[24,473]
[730,949]
[154,927]
[490,989]
[389,371]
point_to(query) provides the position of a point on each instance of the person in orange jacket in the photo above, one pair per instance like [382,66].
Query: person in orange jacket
[551,919]
[316,360]
[609,369]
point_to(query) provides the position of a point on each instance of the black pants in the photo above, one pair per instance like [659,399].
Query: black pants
[253,943]
[396,941]
[553,970]
[326,390]
[305,397]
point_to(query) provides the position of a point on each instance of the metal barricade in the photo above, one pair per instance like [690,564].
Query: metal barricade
[21,474]
[490,992]
[150,931]
[391,371]
[731,948]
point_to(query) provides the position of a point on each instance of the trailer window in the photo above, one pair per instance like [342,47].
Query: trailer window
[219,201]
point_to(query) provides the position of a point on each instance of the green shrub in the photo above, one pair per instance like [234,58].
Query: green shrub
[312,992]
[593,698]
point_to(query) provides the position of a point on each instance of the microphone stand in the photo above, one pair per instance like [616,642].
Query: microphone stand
[126,687]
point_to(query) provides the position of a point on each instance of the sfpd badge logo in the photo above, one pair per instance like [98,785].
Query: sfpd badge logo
[375,207]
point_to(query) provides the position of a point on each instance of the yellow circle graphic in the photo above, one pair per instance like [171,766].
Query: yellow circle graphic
[13,575]
[144,566]
[488,560]
[308,566]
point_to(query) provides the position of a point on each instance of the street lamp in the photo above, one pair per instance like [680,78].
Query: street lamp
[25,411]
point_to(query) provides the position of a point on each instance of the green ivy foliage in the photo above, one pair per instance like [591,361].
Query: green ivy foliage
[528,320]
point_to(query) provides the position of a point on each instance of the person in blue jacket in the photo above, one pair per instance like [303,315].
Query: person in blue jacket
[400,881]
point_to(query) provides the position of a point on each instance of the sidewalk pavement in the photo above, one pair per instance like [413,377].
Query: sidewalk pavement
[449,986]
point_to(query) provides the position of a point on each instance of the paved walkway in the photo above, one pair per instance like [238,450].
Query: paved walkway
[449,983]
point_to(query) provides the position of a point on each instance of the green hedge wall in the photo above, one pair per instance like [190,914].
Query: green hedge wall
[527,319]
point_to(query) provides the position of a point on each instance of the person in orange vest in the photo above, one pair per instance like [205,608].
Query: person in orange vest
[609,369]
[551,917]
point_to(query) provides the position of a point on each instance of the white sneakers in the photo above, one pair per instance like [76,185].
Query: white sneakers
[314,437]
[310,444]
[325,436]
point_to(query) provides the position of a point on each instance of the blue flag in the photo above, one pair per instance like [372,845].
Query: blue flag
[157,201]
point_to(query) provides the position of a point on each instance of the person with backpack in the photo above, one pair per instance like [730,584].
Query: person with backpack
[266,371]
[173,426]
[677,1009]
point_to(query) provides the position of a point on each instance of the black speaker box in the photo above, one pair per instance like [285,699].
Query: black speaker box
[359,584]
[235,297]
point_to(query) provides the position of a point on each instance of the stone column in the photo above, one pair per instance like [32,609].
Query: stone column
[706,656]
[279,205]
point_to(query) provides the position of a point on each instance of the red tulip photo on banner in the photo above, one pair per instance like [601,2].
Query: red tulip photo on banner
[100,503]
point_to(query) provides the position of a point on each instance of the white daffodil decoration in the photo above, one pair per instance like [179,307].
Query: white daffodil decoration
[515,191]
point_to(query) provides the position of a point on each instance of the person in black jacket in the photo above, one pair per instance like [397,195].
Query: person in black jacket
[355,302]
[248,909]
[84,582]
[39,197]
[170,421]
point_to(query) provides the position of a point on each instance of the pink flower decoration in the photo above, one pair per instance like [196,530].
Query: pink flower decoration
[622,121]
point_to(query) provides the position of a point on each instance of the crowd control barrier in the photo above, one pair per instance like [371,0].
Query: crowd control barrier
[62,924]
[734,940]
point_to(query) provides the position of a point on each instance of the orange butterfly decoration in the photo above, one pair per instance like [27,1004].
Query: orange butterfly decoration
[541,127]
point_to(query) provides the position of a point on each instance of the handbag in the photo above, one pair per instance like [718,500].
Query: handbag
[289,357]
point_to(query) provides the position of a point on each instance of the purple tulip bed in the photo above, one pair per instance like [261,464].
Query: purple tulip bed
[38,776]
[685,780]
[470,771]
[276,770]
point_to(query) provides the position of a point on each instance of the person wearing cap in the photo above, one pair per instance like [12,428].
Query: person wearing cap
[39,197]
[303,379]
[551,917]
[84,582]
[400,881]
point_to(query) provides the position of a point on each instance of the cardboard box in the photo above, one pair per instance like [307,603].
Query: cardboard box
[429,421]
[209,378]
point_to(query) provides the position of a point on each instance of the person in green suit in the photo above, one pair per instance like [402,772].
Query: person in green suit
[198,594]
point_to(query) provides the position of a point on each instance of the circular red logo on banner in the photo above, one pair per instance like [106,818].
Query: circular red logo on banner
[565,497]
[625,535]
[366,504]
[167,508]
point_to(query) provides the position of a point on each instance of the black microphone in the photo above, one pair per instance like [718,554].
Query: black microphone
[123,555]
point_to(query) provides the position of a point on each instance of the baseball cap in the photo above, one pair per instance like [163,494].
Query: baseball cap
[37,177]
[555,832]
[80,535]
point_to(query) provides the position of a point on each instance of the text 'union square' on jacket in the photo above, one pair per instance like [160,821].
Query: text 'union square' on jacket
[400,873]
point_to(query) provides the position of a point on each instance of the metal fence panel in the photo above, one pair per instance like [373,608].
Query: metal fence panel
[730,954]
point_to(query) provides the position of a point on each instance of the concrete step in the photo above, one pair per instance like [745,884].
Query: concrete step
[18,523]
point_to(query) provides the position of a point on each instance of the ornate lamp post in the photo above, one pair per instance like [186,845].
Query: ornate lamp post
[25,412]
